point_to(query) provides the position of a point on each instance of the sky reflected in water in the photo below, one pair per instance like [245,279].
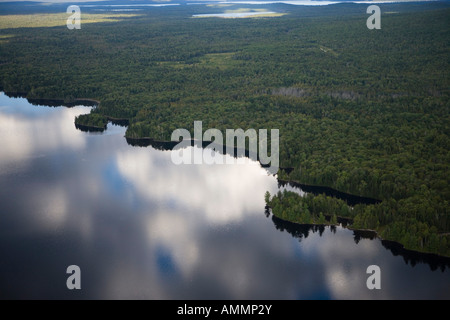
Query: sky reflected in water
[141,227]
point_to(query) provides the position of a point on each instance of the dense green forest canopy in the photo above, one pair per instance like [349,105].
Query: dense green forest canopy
[363,111]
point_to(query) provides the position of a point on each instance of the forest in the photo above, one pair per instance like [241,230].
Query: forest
[362,111]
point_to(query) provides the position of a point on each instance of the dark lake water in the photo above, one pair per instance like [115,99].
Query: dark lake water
[140,227]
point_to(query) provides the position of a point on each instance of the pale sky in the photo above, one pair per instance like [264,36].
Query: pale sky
[55,1]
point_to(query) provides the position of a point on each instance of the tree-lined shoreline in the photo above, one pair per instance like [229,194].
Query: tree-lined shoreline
[362,112]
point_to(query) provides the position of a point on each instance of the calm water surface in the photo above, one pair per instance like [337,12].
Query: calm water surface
[141,227]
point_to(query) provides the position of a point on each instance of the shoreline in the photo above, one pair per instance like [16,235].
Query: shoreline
[96,103]
[170,145]
[60,102]
[85,128]
[53,102]
[351,199]
[375,235]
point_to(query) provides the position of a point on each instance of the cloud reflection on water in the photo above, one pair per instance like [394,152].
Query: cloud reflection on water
[141,227]
[22,135]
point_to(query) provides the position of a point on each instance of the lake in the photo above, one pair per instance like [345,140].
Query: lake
[141,227]
[247,14]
